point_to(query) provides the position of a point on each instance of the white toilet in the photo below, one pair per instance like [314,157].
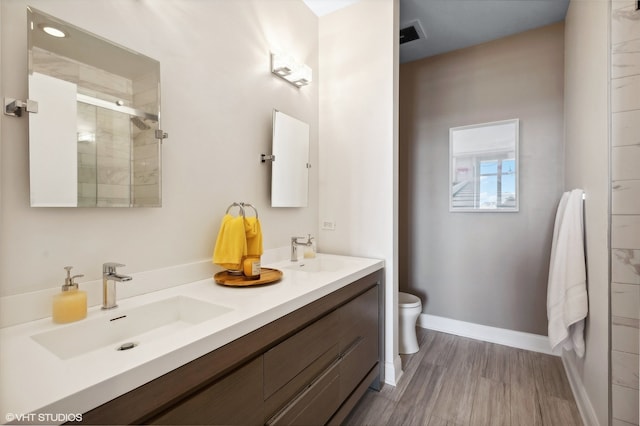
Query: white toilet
[410,307]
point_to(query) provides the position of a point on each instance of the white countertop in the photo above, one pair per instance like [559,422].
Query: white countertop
[34,380]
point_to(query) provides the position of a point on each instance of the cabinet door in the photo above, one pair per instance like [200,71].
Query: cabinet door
[236,399]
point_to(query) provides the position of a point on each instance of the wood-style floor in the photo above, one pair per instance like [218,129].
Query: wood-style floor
[457,381]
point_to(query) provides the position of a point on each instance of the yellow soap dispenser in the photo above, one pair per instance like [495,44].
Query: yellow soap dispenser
[71,304]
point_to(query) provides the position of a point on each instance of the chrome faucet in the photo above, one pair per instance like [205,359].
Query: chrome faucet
[294,246]
[109,278]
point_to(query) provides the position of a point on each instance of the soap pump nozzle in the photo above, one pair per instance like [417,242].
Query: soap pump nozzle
[69,284]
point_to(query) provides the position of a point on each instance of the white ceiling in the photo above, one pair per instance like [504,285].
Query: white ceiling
[455,24]
[324,7]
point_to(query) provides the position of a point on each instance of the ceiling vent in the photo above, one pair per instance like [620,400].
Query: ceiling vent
[411,31]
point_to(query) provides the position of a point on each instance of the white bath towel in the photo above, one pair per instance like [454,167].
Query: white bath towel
[567,303]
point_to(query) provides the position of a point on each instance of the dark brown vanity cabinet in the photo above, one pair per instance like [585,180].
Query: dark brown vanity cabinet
[309,367]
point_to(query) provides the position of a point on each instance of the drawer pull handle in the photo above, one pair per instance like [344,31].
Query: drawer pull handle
[351,347]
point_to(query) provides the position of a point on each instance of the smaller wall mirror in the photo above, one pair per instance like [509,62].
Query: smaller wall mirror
[484,167]
[95,140]
[290,168]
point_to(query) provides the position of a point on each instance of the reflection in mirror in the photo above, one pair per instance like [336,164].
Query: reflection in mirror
[484,167]
[290,169]
[93,141]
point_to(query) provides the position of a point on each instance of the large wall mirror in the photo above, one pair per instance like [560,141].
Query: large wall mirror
[95,140]
[290,170]
[484,167]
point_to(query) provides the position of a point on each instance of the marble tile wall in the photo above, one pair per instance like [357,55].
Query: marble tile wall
[625,211]
[114,159]
[146,189]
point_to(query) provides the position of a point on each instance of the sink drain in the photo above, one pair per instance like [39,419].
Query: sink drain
[126,346]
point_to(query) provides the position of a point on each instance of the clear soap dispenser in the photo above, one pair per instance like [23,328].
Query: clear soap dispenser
[310,248]
[71,304]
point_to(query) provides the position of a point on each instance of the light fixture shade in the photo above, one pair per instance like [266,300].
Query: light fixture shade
[281,65]
[302,75]
[285,67]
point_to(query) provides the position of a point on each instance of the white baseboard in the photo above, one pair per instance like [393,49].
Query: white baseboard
[393,371]
[583,402]
[501,336]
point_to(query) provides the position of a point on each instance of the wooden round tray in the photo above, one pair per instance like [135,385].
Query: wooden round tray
[267,276]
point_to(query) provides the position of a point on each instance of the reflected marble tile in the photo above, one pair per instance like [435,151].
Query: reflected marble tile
[618,422]
[148,192]
[625,231]
[146,100]
[625,128]
[108,191]
[145,82]
[87,175]
[625,197]
[146,152]
[86,154]
[56,66]
[625,300]
[111,148]
[624,21]
[624,93]
[625,59]
[625,161]
[625,266]
[624,369]
[114,176]
[146,177]
[624,335]
[624,403]
[112,202]
[105,82]
[87,191]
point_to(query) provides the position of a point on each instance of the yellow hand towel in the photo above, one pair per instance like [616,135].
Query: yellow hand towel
[253,233]
[231,244]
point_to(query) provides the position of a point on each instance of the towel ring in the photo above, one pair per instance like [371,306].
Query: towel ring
[243,205]
[239,206]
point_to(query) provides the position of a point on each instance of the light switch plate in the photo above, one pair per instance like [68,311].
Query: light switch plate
[328,225]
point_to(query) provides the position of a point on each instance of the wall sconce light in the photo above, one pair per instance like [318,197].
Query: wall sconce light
[287,68]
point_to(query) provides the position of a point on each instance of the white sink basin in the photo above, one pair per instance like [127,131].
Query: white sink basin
[122,327]
[318,264]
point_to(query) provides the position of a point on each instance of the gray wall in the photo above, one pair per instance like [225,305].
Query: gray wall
[485,268]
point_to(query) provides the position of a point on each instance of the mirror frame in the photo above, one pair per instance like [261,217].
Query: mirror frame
[477,154]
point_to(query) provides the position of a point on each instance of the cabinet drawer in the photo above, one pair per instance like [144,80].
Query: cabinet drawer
[316,404]
[236,399]
[286,360]
[356,363]
[286,393]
